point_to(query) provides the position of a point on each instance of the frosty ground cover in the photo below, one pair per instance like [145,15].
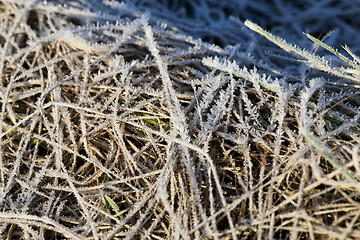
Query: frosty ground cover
[179,119]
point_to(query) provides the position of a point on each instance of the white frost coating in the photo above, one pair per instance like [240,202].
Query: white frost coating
[120,125]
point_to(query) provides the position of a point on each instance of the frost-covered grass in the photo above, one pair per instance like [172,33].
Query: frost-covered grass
[129,124]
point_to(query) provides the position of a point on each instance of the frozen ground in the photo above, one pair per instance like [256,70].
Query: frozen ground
[179,119]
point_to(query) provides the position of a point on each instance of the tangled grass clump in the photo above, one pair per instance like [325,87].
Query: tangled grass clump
[115,126]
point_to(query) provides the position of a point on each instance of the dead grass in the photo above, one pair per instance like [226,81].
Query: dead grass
[97,143]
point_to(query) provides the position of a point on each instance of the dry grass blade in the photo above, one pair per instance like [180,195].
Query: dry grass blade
[119,126]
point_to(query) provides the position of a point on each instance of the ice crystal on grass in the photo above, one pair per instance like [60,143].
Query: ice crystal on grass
[119,124]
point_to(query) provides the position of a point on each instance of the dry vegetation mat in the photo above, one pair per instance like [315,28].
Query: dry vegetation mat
[116,125]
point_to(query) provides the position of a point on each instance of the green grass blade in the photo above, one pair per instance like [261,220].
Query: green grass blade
[329,157]
[315,61]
